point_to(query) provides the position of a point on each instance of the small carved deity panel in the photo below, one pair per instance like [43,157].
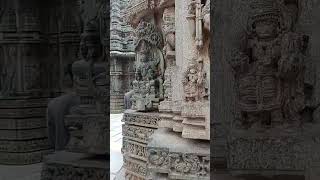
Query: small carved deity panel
[194,84]
[269,71]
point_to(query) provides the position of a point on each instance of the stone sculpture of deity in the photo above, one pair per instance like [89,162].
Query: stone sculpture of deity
[148,84]
[194,82]
[90,70]
[269,71]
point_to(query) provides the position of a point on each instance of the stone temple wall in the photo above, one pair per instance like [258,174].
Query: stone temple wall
[167,130]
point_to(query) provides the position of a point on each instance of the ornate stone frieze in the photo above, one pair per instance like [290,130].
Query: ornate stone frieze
[23,102]
[134,149]
[137,133]
[24,146]
[280,149]
[179,165]
[69,166]
[24,134]
[178,157]
[22,113]
[22,158]
[26,123]
[69,172]
[149,120]
[135,168]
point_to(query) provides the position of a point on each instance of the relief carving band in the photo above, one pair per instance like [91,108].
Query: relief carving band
[269,70]
[148,83]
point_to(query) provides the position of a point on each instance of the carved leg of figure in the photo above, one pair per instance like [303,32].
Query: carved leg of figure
[57,109]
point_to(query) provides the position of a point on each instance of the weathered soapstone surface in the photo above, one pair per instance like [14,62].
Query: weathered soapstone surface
[171,84]
[122,56]
[27,82]
[177,157]
[263,131]
[70,166]
[136,132]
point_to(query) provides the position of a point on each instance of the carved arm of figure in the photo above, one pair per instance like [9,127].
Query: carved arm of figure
[292,57]
[239,61]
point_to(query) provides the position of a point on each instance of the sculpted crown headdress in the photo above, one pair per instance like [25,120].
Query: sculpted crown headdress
[91,33]
[147,32]
[264,10]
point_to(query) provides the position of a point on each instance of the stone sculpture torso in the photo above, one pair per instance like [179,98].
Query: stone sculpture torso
[269,71]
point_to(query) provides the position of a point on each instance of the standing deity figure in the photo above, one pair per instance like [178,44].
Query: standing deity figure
[89,72]
[148,84]
[194,84]
[269,70]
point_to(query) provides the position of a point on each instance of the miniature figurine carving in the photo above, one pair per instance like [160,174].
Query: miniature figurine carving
[269,71]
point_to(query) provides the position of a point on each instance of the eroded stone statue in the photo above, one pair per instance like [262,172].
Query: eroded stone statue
[269,72]
[148,84]
[89,92]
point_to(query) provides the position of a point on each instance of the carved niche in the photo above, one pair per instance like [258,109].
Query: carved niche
[269,71]
[148,83]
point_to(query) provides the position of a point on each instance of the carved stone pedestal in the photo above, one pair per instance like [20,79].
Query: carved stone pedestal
[91,135]
[136,131]
[71,166]
[273,152]
[172,157]
[23,132]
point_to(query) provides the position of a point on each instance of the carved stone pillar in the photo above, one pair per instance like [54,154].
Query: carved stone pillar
[24,93]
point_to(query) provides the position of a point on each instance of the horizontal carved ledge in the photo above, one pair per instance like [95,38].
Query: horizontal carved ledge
[23,158]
